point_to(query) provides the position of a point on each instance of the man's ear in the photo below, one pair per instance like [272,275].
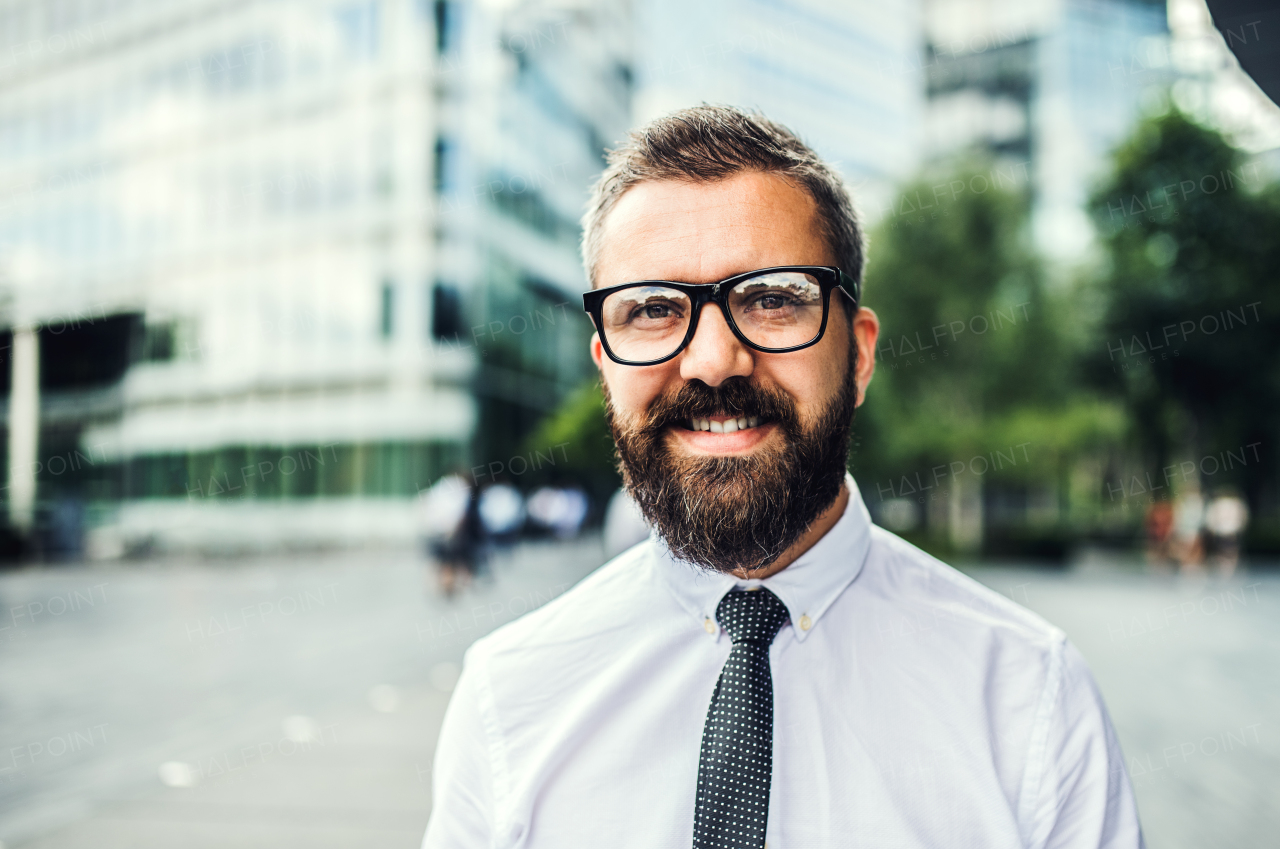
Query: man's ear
[597,350]
[866,329]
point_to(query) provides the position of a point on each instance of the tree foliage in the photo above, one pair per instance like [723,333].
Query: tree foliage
[579,434]
[977,354]
[1191,237]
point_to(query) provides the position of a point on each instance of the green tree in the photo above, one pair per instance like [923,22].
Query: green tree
[976,356]
[579,435]
[1190,339]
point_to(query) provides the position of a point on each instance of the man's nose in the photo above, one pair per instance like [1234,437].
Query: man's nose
[714,353]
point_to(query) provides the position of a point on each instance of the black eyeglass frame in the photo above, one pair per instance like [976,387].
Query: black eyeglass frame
[829,278]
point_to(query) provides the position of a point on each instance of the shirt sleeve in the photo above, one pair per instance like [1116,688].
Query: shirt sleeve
[1083,798]
[462,775]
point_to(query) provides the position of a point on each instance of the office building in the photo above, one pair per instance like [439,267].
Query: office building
[245,249]
[1046,88]
[847,77]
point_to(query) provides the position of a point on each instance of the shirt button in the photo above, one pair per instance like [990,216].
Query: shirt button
[709,626]
[805,622]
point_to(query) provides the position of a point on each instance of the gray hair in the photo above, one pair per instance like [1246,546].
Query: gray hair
[708,143]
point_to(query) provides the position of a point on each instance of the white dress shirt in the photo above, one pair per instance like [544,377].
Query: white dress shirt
[913,707]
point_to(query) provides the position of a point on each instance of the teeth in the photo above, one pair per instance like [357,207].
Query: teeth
[728,426]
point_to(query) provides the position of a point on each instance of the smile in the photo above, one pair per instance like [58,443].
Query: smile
[723,424]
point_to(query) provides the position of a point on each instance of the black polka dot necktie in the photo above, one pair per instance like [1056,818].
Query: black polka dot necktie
[736,764]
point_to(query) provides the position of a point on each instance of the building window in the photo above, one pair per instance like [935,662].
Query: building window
[444,20]
[332,470]
[358,23]
[386,323]
[446,312]
[158,342]
[86,350]
[441,164]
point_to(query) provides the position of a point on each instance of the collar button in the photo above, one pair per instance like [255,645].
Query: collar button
[805,622]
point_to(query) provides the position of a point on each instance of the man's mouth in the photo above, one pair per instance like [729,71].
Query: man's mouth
[722,424]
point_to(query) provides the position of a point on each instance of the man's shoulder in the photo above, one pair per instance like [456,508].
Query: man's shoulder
[605,601]
[915,582]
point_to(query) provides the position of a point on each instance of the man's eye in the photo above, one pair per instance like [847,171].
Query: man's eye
[772,302]
[657,311]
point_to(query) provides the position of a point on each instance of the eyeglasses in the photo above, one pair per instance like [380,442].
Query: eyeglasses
[774,310]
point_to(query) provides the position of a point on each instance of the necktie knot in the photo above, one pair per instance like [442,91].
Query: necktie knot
[751,616]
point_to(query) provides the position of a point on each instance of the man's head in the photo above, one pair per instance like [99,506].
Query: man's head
[697,197]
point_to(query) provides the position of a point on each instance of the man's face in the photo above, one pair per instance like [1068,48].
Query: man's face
[729,500]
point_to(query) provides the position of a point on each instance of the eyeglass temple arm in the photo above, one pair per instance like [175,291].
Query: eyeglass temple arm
[851,289]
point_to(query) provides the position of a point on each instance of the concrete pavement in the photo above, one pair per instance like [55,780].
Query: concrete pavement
[295,700]
[285,700]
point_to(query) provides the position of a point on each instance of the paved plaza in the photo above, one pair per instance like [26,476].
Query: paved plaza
[294,700]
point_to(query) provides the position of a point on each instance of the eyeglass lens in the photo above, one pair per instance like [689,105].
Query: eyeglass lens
[780,309]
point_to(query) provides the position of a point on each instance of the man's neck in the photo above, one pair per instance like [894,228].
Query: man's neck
[825,522]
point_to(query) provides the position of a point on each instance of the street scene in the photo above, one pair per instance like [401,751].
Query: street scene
[321,358]
[295,701]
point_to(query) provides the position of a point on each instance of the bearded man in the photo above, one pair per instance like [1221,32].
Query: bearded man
[769,668]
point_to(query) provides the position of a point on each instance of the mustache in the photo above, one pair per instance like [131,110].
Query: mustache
[736,396]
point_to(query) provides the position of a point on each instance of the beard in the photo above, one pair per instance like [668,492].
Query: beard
[732,513]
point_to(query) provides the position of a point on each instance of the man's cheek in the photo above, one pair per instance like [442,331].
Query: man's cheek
[634,388]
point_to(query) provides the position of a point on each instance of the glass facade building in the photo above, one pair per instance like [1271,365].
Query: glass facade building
[280,257]
[847,77]
[1047,88]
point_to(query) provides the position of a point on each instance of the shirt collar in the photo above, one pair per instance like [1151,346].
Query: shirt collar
[807,587]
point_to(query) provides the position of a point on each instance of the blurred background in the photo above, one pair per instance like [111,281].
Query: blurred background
[297,400]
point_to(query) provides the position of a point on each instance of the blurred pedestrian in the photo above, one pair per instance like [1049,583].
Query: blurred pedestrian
[452,531]
[502,511]
[560,510]
[1159,528]
[1188,522]
[1224,522]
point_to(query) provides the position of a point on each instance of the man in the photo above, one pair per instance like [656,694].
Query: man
[769,668]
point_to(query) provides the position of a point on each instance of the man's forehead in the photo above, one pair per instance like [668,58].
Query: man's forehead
[700,232]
